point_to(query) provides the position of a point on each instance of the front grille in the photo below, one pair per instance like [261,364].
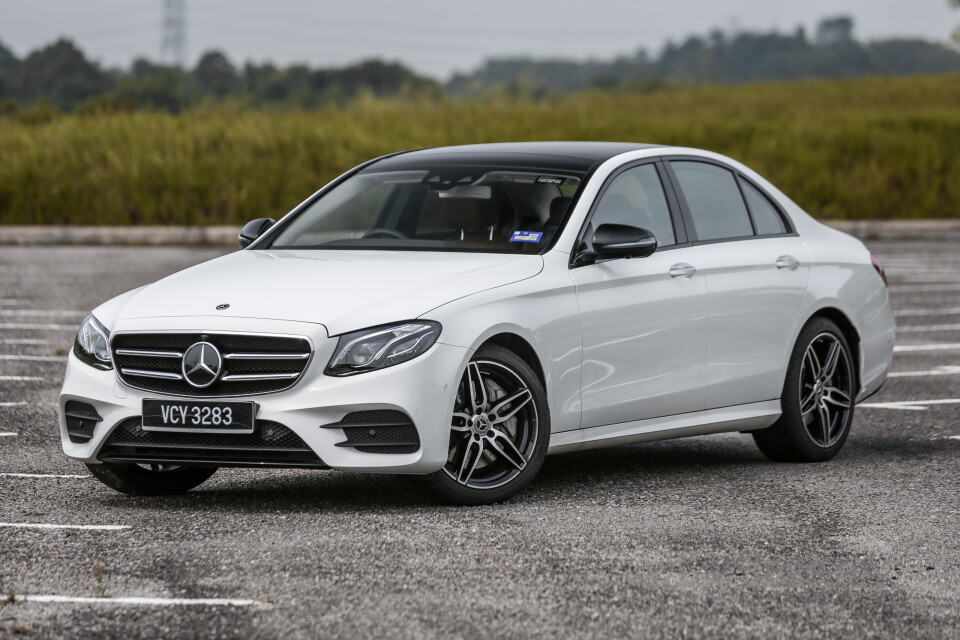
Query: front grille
[270,445]
[81,418]
[379,431]
[253,364]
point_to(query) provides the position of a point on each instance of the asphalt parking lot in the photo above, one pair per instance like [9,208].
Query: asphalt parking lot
[686,538]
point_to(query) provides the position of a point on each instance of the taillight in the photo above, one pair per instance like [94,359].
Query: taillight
[879,268]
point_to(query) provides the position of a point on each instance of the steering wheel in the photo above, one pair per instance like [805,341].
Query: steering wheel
[383,231]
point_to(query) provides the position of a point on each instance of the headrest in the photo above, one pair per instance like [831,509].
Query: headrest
[469,213]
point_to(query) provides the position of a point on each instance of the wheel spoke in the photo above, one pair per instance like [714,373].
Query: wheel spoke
[503,445]
[813,362]
[523,393]
[830,365]
[825,423]
[808,404]
[471,457]
[475,382]
[836,397]
[466,421]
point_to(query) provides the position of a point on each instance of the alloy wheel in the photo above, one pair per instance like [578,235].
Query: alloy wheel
[494,426]
[826,390]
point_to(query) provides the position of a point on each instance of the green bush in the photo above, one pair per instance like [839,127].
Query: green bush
[864,148]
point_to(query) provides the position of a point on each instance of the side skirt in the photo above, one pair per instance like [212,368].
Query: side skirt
[746,417]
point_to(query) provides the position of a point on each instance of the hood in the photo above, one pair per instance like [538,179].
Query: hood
[342,290]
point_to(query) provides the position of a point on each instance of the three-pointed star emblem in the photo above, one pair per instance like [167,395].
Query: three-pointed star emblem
[202,363]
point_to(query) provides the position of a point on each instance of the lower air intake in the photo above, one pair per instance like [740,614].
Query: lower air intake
[380,431]
[270,445]
[81,420]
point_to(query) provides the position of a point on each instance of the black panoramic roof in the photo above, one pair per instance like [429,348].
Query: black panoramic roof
[578,157]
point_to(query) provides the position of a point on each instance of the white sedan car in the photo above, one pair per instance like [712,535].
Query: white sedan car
[459,313]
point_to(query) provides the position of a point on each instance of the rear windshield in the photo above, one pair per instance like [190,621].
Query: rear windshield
[471,209]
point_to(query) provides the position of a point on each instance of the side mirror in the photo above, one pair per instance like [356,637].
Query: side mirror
[253,230]
[623,241]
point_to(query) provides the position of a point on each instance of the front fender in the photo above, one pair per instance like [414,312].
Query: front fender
[542,311]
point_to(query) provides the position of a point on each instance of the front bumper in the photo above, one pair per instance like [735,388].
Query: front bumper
[424,389]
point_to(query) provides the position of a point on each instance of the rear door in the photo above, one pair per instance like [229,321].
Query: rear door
[644,319]
[756,271]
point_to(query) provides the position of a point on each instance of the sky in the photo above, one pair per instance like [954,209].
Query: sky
[437,37]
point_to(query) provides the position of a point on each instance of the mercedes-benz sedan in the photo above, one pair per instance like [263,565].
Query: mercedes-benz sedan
[460,313]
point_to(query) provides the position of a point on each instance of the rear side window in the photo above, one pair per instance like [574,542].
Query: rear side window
[715,203]
[765,215]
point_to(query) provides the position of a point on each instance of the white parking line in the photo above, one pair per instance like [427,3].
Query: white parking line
[931,327]
[40,327]
[8,434]
[908,405]
[12,404]
[33,358]
[925,287]
[21,378]
[154,602]
[25,341]
[41,475]
[42,312]
[923,278]
[947,370]
[926,312]
[906,348]
[84,527]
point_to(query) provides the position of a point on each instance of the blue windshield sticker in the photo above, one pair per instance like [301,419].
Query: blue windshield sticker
[526,236]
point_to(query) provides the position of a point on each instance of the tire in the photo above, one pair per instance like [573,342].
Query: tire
[157,481]
[817,402]
[499,434]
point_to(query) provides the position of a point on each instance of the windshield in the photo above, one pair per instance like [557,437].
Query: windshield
[474,209]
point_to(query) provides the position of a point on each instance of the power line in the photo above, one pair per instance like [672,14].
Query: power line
[372,25]
[421,38]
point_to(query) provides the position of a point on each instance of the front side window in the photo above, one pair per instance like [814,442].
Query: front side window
[636,198]
[714,200]
[474,209]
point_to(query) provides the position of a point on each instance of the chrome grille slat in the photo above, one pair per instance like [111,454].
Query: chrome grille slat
[260,376]
[149,354]
[160,375]
[266,356]
[253,364]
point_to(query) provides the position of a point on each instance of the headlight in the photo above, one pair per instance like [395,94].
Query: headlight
[93,344]
[381,347]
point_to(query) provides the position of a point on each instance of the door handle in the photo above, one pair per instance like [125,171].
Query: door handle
[787,262]
[681,270]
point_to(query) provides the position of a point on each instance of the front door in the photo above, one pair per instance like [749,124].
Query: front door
[644,319]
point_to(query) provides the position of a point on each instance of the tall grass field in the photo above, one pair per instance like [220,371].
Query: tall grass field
[863,148]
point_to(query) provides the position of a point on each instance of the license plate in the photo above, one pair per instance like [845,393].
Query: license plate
[198,417]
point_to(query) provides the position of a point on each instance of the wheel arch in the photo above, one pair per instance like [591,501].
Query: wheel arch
[520,346]
[850,332]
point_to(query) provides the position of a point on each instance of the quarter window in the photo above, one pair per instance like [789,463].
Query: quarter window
[715,203]
[636,198]
[765,215]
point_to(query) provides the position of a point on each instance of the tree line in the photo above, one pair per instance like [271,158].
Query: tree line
[60,76]
[720,58]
